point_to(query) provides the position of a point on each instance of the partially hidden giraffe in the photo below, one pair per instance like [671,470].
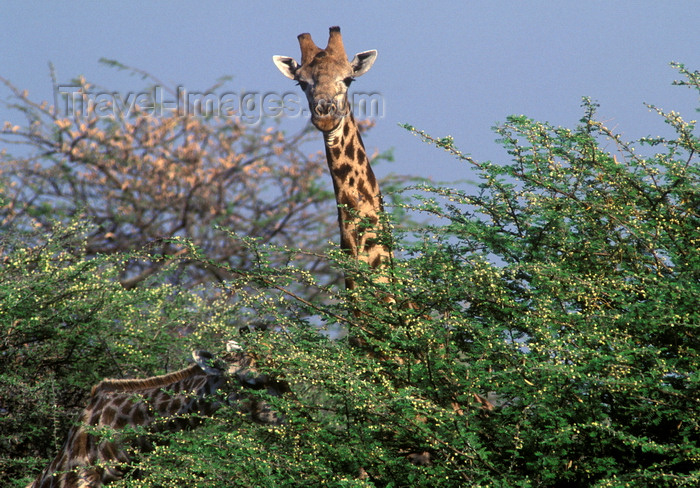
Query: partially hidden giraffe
[169,402]
[325,75]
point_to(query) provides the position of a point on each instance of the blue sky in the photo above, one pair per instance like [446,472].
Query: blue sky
[454,68]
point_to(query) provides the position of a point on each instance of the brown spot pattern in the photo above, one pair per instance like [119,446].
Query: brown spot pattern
[350,150]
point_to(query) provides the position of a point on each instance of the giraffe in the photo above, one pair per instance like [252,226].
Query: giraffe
[325,75]
[160,403]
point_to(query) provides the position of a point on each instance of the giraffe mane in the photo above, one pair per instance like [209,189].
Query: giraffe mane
[128,385]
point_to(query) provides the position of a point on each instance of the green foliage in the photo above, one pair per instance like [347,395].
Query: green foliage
[563,291]
[66,323]
[586,263]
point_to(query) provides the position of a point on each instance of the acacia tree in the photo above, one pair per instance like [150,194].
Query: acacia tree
[149,174]
[66,322]
[565,288]
[104,223]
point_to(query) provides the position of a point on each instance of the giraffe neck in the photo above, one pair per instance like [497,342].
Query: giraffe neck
[166,398]
[160,403]
[358,197]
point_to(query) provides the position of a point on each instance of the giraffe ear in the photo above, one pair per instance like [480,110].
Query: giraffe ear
[362,62]
[288,66]
[208,362]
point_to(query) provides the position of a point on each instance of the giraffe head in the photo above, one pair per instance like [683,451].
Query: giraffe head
[325,75]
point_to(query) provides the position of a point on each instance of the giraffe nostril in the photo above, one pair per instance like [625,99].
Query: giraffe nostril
[325,107]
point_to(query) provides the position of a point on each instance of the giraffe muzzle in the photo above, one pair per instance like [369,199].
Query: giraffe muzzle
[325,108]
[327,114]
[331,107]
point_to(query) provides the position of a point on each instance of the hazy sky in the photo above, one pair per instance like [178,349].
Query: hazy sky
[454,68]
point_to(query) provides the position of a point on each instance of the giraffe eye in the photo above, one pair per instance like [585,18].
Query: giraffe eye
[348,80]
